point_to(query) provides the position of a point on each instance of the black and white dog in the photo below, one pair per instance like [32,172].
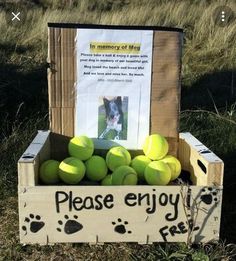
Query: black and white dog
[114,116]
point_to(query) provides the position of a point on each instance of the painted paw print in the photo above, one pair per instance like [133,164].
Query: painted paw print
[34,223]
[120,227]
[209,195]
[71,226]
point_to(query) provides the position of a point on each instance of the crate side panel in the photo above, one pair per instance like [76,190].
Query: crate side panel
[217,173]
[205,167]
[123,214]
[29,163]
[28,172]
[59,146]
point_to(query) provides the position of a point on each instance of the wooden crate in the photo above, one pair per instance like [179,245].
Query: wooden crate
[98,214]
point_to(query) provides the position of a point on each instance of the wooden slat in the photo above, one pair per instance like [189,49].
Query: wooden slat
[28,165]
[144,227]
[205,167]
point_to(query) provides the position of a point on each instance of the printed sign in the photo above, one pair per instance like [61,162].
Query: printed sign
[113,86]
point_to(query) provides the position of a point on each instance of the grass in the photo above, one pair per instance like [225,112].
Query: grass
[208,102]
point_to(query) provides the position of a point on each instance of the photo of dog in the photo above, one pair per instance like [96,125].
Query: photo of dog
[112,116]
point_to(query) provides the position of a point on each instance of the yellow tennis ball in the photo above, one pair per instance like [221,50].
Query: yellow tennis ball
[139,164]
[48,172]
[174,165]
[71,170]
[106,181]
[81,147]
[157,173]
[124,175]
[96,168]
[116,157]
[155,147]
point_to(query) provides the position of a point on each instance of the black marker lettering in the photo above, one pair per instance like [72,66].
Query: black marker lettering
[173,230]
[164,234]
[163,199]
[99,204]
[175,204]
[129,197]
[58,201]
[108,199]
[182,228]
[90,205]
[76,202]
[141,197]
[153,209]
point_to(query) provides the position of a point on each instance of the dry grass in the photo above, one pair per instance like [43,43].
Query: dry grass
[209,67]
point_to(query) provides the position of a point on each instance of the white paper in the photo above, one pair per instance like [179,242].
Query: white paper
[113,68]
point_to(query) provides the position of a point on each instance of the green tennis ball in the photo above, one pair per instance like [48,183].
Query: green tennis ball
[124,175]
[157,173]
[155,147]
[106,181]
[81,147]
[48,172]
[139,164]
[116,157]
[174,166]
[71,170]
[96,168]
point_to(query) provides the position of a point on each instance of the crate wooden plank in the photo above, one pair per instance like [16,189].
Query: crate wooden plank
[29,163]
[122,213]
[28,172]
[204,165]
[41,137]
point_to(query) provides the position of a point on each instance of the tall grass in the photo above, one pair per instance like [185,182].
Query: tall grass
[208,107]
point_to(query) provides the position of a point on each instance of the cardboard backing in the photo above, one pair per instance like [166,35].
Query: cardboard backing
[165,89]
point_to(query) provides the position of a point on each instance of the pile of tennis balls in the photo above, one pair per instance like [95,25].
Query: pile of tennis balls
[155,167]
